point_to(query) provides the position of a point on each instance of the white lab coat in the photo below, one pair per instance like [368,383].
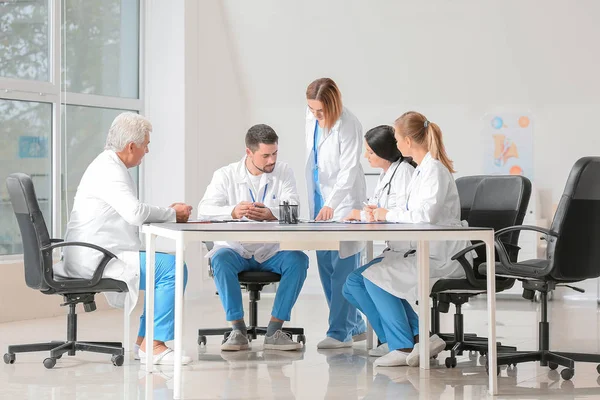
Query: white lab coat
[107,213]
[432,198]
[391,187]
[230,185]
[341,175]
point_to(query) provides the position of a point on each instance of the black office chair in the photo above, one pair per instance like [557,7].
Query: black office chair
[572,255]
[487,201]
[39,275]
[253,282]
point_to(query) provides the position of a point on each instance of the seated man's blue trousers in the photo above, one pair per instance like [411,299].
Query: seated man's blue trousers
[164,295]
[393,319]
[227,264]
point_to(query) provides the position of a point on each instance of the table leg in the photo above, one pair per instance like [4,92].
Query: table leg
[126,326]
[424,314]
[150,264]
[491,309]
[178,343]
[370,337]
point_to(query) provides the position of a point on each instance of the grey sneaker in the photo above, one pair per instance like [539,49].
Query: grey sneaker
[236,341]
[281,341]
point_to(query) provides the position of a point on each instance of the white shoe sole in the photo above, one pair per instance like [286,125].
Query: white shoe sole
[399,362]
[285,347]
[434,351]
[341,345]
[167,362]
[234,347]
[373,353]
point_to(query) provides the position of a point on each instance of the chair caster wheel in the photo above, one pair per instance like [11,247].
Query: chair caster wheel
[567,374]
[117,360]
[49,363]
[552,365]
[9,358]
[450,362]
[598,368]
[472,355]
[511,371]
[201,340]
[301,339]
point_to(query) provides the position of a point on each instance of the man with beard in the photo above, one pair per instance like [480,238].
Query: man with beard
[253,188]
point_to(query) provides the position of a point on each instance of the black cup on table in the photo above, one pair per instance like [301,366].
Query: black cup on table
[288,213]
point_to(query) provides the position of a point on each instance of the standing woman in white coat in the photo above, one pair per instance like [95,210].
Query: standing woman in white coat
[385,288]
[336,186]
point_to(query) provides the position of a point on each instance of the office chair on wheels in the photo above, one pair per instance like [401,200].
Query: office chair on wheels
[39,275]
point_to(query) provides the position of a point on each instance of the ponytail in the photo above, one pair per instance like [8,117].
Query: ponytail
[416,126]
[436,145]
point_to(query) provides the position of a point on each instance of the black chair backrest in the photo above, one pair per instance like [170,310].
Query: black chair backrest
[34,232]
[467,186]
[501,201]
[575,254]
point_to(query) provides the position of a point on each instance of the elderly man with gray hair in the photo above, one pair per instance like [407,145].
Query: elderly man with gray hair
[108,213]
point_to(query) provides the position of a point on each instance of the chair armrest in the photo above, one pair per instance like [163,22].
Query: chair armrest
[76,283]
[525,228]
[471,272]
[466,250]
[80,244]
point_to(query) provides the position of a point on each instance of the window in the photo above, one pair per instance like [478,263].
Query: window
[25,129]
[59,96]
[100,47]
[24,39]
[85,130]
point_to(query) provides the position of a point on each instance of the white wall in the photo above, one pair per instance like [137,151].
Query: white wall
[222,66]
[452,60]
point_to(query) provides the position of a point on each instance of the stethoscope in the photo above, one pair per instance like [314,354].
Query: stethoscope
[388,185]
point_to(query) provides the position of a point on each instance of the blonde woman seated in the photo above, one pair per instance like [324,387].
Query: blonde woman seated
[385,288]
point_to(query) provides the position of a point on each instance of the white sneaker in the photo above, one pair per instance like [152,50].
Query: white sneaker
[236,341]
[380,351]
[436,346]
[136,352]
[167,357]
[394,358]
[331,343]
[281,341]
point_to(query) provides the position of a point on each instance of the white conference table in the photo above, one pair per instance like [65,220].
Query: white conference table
[316,236]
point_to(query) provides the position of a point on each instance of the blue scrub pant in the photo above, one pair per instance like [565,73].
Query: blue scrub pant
[164,295]
[393,319]
[227,264]
[344,319]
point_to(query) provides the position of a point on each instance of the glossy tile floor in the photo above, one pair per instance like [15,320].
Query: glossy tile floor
[310,374]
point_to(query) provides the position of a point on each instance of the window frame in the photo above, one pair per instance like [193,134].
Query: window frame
[52,92]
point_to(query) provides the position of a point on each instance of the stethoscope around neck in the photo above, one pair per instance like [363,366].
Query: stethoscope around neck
[388,185]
